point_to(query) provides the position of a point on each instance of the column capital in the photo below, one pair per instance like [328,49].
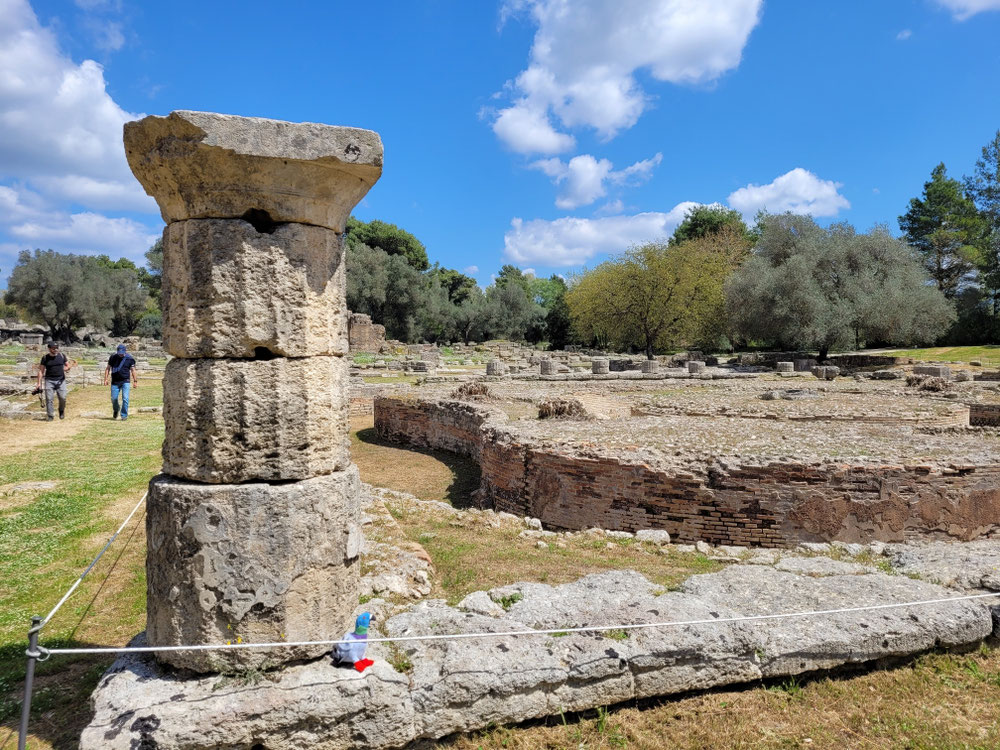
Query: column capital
[200,165]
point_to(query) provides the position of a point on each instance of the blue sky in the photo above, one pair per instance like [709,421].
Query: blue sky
[545,133]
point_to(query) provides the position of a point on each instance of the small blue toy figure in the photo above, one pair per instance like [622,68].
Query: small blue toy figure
[353,652]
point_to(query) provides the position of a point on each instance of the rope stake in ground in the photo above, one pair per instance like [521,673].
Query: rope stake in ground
[510,633]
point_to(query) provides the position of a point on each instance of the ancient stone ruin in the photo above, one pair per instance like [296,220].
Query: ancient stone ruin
[253,526]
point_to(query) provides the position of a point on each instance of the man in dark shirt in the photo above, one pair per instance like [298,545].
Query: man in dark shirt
[121,369]
[52,369]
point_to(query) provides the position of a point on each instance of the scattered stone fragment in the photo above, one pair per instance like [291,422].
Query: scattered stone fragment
[656,536]
[967,566]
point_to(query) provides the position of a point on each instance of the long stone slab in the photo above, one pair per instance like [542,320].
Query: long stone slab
[461,685]
[257,562]
[237,420]
[202,165]
[230,290]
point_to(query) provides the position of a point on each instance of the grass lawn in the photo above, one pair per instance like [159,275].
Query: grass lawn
[94,470]
[65,486]
[988,354]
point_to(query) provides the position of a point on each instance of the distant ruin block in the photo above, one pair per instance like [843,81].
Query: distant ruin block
[259,562]
[229,290]
[496,368]
[649,366]
[202,165]
[232,420]
[600,366]
[785,367]
[804,365]
[826,372]
[548,367]
[363,335]
[934,371]
[695,367]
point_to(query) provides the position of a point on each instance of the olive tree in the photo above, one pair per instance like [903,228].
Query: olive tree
[806,287]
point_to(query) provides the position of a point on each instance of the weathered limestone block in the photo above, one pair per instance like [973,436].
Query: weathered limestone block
[496,367]
[260,562]
[695,367]
[548,367]
[463,685]
[934,371]
[784,367]
[233,420]
[202,165]
[600,366]
[649,366]
[229,290]
[804,365]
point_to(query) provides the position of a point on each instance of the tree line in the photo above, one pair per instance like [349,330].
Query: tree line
[67,292]
[714,284]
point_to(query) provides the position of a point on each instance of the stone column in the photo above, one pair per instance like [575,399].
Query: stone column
[253,528]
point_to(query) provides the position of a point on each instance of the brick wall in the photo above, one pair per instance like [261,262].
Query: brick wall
[774,505]
[363,395]
[984,415]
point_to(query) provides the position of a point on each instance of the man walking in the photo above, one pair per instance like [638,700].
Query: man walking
[121,369]
[52,369]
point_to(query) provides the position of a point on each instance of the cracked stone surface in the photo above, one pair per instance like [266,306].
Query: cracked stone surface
[969,566]
[229,289]
[255,561]
[202,165]
[233,420]
[460,685]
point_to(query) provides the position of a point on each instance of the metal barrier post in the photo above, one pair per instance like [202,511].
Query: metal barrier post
[29,679]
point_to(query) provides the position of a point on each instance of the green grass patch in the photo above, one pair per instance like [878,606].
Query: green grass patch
[48,539]
[988,354]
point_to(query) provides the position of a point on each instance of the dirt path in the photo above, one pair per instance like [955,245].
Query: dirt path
[20,435]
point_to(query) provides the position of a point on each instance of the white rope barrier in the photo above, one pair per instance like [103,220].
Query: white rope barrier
[90,567]
[510,633]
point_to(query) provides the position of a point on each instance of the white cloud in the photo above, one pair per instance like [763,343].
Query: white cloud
[963,9]
[583,177]
[611,208]
[569,241]
[528,272]
[528,130]
[96,193]
[586,52]
[798,191]
[903,35]
[61,148]
[59,123]
[87,232]
[108,35]
[470,270]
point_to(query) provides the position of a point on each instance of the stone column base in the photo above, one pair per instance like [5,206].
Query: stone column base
[258,562]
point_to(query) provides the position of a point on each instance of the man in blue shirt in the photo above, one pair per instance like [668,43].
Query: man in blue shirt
[121,370]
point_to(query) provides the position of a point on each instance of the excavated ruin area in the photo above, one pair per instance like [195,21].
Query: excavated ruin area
[765,461]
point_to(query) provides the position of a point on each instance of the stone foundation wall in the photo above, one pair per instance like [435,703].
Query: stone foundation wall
[363,335]
[984,415]
[363,395]
[773,506]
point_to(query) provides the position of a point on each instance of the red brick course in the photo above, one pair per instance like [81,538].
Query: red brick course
[775,505]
